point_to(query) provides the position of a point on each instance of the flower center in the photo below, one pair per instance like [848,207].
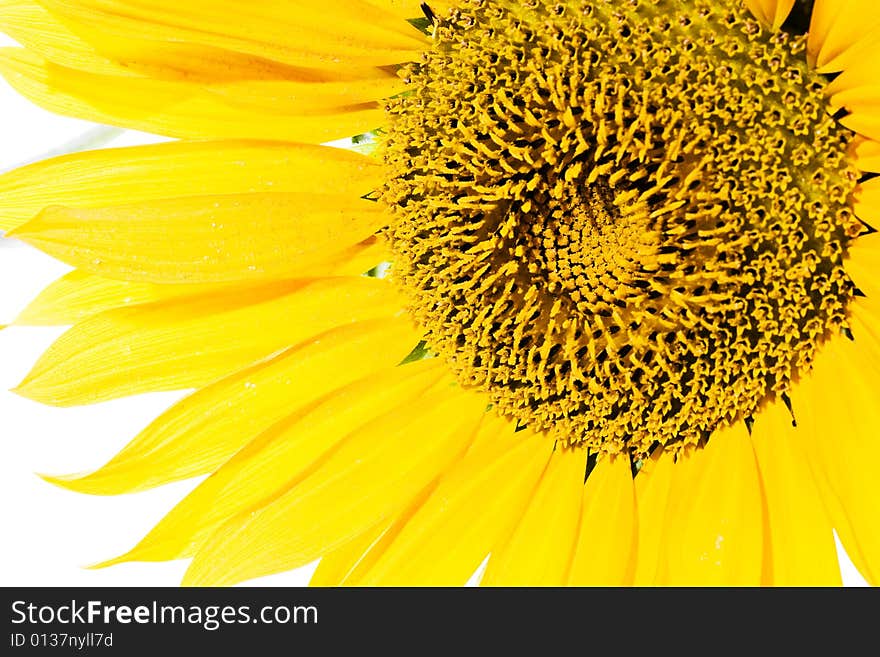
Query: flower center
[624,221]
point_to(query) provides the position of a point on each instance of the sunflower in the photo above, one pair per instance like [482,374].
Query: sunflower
[589,299]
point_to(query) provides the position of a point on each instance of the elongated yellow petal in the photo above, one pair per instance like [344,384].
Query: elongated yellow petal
[285,455]
[863,263]
[412,8]
[335,567]
[837,28]
[865,324]
[193,341]
[306,33]
[781,11]
[348,564]
[856,88]
[79,294]
[539,551]
[801,542]
[608,527]
[357,259]
[205,239]
[652,486]
[761,9]
[841,422]
[181,169]
[39,30]
[351,564]
[32,26]
[174,108]
[286,97]
[865,123]
[866,200]
[369,479]
[866,154]
[476,505]
[403,9]
[199,433]
[719,535]
[771,12]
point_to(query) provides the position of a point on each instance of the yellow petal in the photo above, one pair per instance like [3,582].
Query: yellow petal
[351,563]
[193,341]
[336,566]
[199,433]
[412,8]
[800,539]
[357,259]
[37,29]
[175,108]
[539,551]
[866,200]
[866,154]
[770,12]
[348,564]
[761,9]
[652,486]
[864,322]
[371,478]
[837,27]
[473,508]
[841,421]
[78,295]
[288,97]
[865,123]
[182,169]
[287,454]
[863,263]
[307,33]
[781,11]
[94,50]
[605,553]
[205,239]
[401,8]
[718,540]
[856,86]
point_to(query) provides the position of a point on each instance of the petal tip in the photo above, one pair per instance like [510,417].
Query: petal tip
[73,482]
[100,565]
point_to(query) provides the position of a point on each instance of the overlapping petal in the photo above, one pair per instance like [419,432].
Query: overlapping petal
[185,110]
[473,509]
[841,33]
[199,433]
[373,475]
[291,451]
[837,408]
[539,551]
[308,33]
[192,341]
[217,239]
[607,534]
[799,542]
[177,170]
[714,534]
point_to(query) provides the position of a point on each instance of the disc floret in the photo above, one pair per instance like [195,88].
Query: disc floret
[625,221]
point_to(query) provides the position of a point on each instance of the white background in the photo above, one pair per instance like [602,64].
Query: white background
[49,534]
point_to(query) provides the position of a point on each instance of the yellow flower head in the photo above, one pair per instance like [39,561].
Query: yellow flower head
[593,294]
